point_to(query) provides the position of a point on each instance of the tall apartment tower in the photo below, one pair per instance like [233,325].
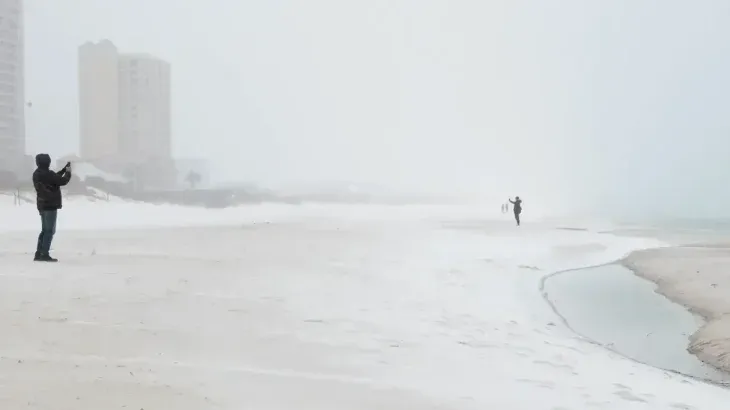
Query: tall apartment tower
[99,100]
[144,108]
[124,106]
[12,86]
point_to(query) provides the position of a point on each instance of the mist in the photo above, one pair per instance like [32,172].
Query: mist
[617,108]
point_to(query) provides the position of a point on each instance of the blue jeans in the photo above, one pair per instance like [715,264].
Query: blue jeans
[48,229]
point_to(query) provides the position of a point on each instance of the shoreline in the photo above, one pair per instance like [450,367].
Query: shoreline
[622,261]
[693,276]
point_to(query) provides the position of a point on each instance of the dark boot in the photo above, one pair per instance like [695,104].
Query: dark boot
[37,256]
[47,258]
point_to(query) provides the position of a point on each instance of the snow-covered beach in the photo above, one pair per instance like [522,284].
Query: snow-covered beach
[307,307]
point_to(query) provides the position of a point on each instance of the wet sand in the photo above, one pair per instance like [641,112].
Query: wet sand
[698,277]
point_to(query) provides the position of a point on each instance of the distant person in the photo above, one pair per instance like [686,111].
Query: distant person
[48,185]
[517,208]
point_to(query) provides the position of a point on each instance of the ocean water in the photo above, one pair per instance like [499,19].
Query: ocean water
[678,231]
[707,225]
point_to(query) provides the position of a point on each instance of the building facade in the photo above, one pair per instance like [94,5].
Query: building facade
[12,87]
[144,108]
[125,113]
[99,101]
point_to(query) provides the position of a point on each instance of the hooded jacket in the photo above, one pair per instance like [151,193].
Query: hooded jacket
[48,184]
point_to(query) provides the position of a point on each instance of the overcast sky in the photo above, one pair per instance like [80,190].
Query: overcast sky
[619,103]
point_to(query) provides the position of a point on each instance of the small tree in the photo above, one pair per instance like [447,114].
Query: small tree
[193,179]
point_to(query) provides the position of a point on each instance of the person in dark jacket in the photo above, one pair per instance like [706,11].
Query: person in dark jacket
[517,208]
[48,185]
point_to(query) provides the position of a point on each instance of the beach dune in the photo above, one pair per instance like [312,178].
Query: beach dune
[698,277]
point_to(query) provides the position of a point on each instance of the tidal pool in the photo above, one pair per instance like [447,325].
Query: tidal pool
[612,306]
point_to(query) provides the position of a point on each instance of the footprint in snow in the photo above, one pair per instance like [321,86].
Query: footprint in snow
[681,406]
[554,365]
[539,383]
[629,396]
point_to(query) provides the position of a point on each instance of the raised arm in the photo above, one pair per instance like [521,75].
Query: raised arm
[61,177]
[64,176]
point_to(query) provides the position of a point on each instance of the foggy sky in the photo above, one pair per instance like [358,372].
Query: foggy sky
[619,105]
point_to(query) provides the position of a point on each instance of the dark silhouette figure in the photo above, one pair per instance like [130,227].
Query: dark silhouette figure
[48,185]
[517,208]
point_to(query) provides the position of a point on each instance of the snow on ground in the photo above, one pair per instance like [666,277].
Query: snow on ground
[306,307]
[83,212]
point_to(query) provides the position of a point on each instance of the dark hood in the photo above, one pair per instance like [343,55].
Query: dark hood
[43,161]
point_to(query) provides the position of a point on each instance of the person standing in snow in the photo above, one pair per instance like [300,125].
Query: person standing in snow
[517,208]
[48,185]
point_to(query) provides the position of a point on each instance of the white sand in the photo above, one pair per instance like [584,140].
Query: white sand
[699,278]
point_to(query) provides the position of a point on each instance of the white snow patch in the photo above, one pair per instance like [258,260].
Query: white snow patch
[324,307]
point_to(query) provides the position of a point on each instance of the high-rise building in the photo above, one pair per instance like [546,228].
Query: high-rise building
[99,101]
[12,86]
[124,106]
[144,108]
